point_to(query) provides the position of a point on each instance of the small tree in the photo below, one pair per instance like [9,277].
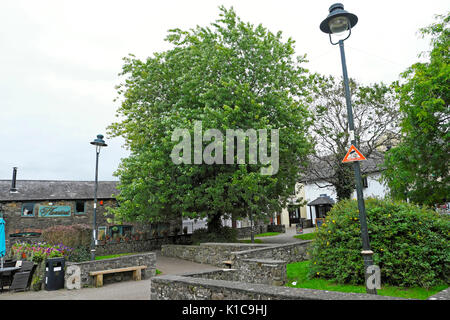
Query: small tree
[417,169]
[376,117]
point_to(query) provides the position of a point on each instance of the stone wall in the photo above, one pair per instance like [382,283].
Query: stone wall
[144,259]
[256,275]
[245,232]
[276,228]
[261,271]
[180,287]
[291,252]
[18,223]
[141,245]
[216,253]
[209,253]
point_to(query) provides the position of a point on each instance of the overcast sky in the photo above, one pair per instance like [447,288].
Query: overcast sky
[59,63]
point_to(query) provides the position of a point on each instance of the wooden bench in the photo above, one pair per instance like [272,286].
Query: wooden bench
[98,275]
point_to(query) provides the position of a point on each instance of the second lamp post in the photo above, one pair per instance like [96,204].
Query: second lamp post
[98,143]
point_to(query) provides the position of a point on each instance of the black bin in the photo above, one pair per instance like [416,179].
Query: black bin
[54,274]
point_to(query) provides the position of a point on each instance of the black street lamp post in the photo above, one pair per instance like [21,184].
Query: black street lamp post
[340,21]
[98,143]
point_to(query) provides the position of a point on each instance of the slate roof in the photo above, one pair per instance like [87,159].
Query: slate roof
[322,200]
[56,190]
[371,165]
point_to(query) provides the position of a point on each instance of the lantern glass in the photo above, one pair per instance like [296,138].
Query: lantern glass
[339,24]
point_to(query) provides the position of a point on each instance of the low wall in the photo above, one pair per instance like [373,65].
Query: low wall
[77,273]
[141,245]
[260,271]
[291,252]
[176,287]
[246,232]
[119,247]
[276,228]
[209,253]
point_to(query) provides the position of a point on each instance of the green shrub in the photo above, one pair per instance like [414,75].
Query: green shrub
[72,236]
[80,254]
[410,244]
[225,234]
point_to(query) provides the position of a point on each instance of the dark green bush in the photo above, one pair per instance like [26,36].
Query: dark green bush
[410,244]
[224,234]
[80,254]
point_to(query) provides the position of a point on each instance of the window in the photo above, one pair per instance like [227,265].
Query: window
[101,233]
[25,234]
[28,209]
[117,231]
[365,183]
[80,207]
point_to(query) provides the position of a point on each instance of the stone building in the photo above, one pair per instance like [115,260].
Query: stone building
[30,206]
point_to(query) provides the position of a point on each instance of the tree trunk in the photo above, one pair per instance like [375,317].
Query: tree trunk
[346,182]
[214,222]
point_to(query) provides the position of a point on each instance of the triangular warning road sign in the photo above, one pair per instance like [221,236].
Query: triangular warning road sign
[353,155]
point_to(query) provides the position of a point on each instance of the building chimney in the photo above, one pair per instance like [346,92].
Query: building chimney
[13,183]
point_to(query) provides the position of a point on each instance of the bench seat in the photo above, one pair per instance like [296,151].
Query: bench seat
[228,263]
[98,275]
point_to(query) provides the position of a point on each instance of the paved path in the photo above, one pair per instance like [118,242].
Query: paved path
[287,237]
[126,290]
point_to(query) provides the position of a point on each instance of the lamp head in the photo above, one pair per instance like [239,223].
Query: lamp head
[99,142]
[338,20]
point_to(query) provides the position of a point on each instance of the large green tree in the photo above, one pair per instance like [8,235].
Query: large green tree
[418,168]
[229,75]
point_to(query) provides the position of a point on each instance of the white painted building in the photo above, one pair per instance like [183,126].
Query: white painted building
[311,189]
[372,187]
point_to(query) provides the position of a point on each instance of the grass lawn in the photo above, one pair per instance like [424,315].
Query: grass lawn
[112,256]
[298,272]
[306,236]
[267,234]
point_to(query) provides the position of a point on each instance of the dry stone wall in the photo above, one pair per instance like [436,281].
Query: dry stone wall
[81,269]
[176,287]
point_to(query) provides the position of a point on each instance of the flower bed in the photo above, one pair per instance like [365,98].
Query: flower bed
[38,253]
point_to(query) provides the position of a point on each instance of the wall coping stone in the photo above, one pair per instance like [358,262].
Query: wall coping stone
[278,292]
[265,261]
[293,244]
[237,244]
[103,261]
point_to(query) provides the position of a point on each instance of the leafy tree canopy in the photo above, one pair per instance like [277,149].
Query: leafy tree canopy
[229,75]
[417,169]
